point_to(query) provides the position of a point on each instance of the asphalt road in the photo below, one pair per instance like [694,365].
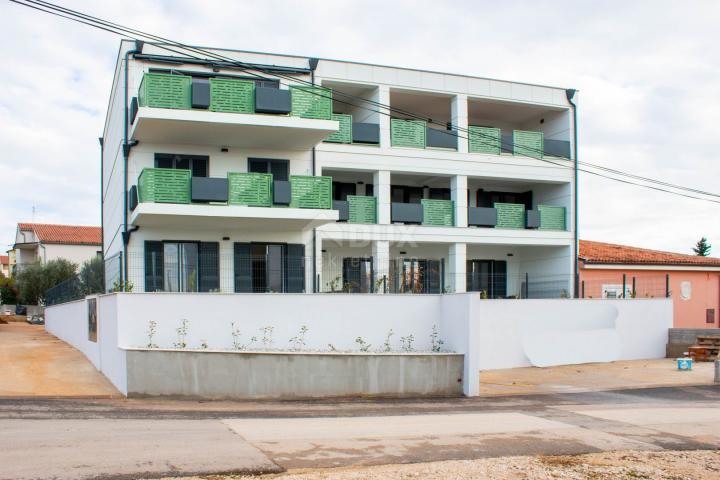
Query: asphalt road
[118,438]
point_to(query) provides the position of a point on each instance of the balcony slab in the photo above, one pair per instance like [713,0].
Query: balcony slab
[222,217]
[203,127]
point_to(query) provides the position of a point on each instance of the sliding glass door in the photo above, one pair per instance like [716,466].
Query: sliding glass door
[269,267]
[489,276]
[181,266]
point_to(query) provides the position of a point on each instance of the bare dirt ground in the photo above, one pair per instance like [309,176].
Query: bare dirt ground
[37,364]
[593,377]
[624,465]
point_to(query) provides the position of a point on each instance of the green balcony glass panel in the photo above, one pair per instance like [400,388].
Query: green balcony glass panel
[250,189]
[311,102]
[510,215]
[164,185]
[362,209]
[439,213]
[484,140]
[345,134]
[310,192]
[552,217]
[232,95]
[408,133]
[528,144]
[161,90]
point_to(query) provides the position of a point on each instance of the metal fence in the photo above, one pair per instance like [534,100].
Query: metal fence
[623,285]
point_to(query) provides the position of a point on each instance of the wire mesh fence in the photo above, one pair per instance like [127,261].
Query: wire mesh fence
[192,270]
[623,285]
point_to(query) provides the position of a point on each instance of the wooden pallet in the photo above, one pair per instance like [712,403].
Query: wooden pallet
[708,340]
[704,353]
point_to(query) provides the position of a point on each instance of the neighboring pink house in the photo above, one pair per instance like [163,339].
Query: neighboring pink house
[693,282]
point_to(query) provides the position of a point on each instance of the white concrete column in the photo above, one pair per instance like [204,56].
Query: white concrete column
[458,194]
[318,265]
[457,256]
[384,99]
[459,113]
[381,263]
[381,180]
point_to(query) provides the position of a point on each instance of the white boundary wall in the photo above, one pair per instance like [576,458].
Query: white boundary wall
[493,334]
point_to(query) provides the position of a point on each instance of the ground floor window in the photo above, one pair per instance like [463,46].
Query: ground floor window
[413,275]
[357,275]
[489,276]
[181,266]
[269,267]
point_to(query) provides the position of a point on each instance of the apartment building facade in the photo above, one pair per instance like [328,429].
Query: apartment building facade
[43,242]
[243,172]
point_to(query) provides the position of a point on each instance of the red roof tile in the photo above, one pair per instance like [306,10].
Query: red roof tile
[609,253]
[64,234]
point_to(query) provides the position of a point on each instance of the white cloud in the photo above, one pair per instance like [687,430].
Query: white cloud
[648,73]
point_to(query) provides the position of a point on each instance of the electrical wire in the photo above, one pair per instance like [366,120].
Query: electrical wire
[118,29]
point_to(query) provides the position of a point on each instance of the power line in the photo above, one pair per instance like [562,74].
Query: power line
[118,29]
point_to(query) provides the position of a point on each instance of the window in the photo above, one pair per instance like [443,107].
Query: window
[489,276]
[357,275]
[488,199]
[198,164]
[405,194]
[266,267]
[277,167]
[341,190]
[440,193]
[182,266]
[412,275]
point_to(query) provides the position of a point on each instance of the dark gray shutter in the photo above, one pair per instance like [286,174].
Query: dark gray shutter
[499,279]
[295,264]
[242,268]
[209,266]
[431,276]
[154,266]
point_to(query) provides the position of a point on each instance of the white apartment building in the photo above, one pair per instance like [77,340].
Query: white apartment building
[254,172]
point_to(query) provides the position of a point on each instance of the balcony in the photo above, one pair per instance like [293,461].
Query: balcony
[230,112]
[357,209]
[354,133]
[516,216]
[438,213]
[173,198]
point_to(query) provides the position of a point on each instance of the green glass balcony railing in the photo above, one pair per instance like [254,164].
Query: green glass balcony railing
[167,185]
[232,95]
[552,217]
[439,213]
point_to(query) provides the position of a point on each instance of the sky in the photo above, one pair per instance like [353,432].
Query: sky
[648,73]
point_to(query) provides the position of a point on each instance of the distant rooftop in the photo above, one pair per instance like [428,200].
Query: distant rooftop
[64,234]
[612,254]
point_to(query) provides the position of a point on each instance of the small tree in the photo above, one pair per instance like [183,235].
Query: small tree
[91,276]
[702,248]
[34,280]
[8,292]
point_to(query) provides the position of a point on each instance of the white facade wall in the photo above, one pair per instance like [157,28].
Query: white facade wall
[551,184]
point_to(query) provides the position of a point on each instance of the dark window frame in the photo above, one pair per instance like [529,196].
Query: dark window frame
[283,163]
[191,159]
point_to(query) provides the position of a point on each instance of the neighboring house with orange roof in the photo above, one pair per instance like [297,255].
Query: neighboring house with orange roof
[616,271]
[40,242]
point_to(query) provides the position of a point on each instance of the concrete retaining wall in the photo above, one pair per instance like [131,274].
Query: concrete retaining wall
[291,375]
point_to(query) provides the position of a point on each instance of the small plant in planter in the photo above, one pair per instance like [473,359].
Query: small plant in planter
[407,342]
[267,339]
[203,344]
[332,347]
[152,330]
[235,332]
[387,346]
[182,331]
[298,341]
[435,342]
[362,344]
[483,294]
